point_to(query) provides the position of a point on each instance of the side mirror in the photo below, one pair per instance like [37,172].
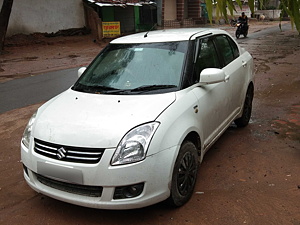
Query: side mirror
[81,71]
[212,76]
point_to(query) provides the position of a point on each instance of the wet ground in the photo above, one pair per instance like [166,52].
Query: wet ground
[250,176]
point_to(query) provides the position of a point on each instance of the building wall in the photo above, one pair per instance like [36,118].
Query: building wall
[32,16]
[245,8]
[159,4]
[194,9]
[180,10]
[170,10]
[269,14]
[181,13]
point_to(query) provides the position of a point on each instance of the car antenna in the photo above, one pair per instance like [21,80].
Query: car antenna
[146,35]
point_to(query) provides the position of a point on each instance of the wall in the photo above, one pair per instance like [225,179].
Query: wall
[194,9]
[269,14]
[93,22]
[159,12]
[245,8]
[170,8]
[32,16]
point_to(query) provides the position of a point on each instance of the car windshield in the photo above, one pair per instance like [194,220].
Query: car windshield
[135,68]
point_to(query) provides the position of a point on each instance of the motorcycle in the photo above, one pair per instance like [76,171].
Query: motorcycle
[242,29]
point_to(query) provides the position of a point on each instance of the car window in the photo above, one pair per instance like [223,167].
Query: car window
[130,66]
[207,56]
[234,47]
[228,52]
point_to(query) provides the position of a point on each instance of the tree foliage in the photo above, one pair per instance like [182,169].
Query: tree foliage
[290,7]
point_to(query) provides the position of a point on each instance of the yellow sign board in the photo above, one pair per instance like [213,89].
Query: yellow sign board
[111,29]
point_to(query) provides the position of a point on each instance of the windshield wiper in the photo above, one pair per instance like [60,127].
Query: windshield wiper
[95,89]
[139,89]
[153,87]
[102,88]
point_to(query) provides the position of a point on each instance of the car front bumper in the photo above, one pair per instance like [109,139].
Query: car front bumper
[99,182]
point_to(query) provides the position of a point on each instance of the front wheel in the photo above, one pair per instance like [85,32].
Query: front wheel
[237,34]
[245,33]
[184,175]
[247,109]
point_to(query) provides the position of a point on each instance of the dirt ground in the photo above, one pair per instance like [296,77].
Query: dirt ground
[250,176]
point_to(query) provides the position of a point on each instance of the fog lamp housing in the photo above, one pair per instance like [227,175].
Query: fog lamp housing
[25,170]
[130,191]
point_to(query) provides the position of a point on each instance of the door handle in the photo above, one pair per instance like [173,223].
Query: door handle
[244,64]
[227,78]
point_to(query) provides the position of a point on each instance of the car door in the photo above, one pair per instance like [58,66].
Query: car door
[234,66]
[213,99]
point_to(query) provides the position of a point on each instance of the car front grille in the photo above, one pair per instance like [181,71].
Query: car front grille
[91,191]
[68,153]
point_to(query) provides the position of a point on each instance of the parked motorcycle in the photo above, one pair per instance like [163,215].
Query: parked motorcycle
[241,29]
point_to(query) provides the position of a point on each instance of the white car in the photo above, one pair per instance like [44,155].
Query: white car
[134,127]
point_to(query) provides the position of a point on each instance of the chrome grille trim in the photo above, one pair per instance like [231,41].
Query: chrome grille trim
[46,152]
[70,153]
[84,153]
[74,157]
[41,145]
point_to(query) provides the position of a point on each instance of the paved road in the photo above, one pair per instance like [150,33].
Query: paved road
[31,90]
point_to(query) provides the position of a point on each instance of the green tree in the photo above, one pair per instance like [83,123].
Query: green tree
[290,7]
[4,18]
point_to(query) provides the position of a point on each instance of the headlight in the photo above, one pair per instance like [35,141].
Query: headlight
[134,145]
[27,131]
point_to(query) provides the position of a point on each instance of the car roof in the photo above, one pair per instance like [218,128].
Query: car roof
[168,35]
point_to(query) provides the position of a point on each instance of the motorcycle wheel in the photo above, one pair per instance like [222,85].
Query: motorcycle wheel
[237,34]
[245,33]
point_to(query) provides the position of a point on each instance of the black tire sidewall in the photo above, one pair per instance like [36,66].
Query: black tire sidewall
[176,199]
[237,34]
[244,120]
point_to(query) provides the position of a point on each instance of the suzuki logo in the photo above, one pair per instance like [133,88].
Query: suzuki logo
[61,153]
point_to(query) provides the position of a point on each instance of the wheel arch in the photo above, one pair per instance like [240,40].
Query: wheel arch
[246,109]
[194,137]
[251,86]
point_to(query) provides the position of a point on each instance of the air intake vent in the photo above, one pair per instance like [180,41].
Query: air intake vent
[91,191]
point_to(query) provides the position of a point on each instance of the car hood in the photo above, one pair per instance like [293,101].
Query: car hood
[94,120]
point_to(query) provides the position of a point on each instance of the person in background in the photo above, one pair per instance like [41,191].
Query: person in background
[244,19]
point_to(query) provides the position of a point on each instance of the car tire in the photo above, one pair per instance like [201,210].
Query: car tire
[184,175]
[247,109]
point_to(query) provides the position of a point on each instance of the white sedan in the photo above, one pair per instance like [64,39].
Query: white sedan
[133,129]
